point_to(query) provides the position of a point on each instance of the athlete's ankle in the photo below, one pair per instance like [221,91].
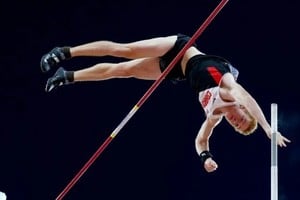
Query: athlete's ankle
[66,52]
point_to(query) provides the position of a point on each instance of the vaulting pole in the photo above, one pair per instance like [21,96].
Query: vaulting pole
[142,100]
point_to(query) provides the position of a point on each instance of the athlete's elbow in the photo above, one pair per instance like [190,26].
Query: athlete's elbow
[201,140]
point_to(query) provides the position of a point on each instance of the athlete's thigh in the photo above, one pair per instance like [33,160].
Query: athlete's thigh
[143,68]
[154,47]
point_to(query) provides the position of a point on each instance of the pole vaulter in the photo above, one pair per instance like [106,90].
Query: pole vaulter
[142,100]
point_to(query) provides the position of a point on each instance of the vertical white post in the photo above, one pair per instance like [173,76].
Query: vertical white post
[274,163]
[2,196]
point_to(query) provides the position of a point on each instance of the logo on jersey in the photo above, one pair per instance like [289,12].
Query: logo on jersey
[206,98]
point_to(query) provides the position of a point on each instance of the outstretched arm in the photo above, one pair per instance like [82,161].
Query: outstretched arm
[202,143]
[236,92]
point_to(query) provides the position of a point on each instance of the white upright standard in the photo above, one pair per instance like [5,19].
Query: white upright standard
[274,162]
[2,196]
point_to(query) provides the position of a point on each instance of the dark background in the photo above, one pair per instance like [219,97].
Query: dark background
[46,138]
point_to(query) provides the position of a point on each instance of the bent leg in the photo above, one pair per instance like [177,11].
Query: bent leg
[143,68]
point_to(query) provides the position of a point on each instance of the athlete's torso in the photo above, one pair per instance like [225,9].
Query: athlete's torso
[211,101]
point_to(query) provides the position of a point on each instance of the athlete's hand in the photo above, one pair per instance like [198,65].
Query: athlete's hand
[210,165]
[281,140]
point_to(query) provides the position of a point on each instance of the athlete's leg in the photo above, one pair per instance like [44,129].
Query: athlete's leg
[144,48]
[142,68]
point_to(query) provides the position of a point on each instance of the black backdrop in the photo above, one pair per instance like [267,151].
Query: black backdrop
[47,137]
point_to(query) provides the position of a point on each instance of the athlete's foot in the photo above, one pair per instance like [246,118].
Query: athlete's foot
[55,56]
[61,77]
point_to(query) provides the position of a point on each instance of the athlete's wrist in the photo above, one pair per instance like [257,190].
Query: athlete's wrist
[204,155]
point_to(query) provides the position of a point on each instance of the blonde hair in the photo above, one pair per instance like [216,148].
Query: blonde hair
[251,128]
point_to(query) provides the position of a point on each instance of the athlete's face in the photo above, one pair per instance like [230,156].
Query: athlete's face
[237,116]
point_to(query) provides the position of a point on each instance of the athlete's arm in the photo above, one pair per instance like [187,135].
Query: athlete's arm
[202,143]
[202,139]
[231,90]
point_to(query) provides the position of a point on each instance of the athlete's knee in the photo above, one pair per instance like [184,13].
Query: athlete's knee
[124,70]
[121,50]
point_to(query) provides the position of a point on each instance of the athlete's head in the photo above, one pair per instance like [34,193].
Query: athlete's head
[241,120]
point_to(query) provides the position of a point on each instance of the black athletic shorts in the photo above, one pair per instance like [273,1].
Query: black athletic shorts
[206,71]
[176,72]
